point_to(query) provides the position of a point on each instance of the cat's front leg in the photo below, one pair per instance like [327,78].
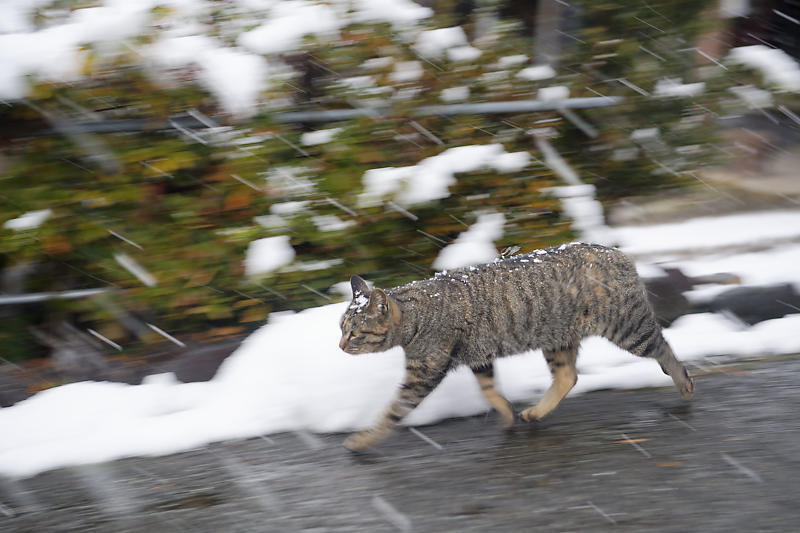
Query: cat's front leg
[368,438]
[420,380]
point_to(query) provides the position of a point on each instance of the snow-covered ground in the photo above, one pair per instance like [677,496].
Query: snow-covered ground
[291,376]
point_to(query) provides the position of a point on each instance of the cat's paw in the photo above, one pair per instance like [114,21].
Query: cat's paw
[530,415]
[506,417]
[358,441]
[686,385]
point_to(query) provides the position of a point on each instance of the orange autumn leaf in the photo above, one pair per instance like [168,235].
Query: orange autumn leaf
[237,200]
[56,244]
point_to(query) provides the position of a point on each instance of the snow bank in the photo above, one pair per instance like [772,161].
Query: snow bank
[290,375]
[707,233]
[706,334]
[750,266]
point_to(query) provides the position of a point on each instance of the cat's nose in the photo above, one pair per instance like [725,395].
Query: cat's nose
[342,343]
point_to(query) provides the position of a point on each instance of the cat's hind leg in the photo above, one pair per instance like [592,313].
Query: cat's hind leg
[661,352]
[485,376]
[565,375]
[643,337]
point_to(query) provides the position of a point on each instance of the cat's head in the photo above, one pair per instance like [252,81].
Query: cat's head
[370,320]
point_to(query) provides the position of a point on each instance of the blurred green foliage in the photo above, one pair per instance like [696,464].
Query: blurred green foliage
[186,205]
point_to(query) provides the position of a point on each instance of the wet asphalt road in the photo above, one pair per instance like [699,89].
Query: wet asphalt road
[642,460]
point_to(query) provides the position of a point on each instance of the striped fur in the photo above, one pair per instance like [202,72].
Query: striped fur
[548,299]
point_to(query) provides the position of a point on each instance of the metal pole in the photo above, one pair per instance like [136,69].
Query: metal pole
[334,115]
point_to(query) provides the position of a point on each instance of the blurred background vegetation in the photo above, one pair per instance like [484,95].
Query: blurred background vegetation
[127,174]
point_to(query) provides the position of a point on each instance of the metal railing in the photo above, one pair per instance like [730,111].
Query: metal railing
[193,122]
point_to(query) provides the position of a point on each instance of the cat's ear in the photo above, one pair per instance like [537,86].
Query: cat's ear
[378,303]
[358,285]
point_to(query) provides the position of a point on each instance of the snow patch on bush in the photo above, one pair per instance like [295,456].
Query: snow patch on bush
[474,245]
[29,220]
[268,254]
[535,73]
[774,64]
[431,178]
[675,88]
[434,43]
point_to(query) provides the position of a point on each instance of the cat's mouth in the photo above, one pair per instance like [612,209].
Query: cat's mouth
[347,348]
[353,351]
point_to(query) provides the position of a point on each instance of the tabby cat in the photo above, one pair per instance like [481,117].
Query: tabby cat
[548,299]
